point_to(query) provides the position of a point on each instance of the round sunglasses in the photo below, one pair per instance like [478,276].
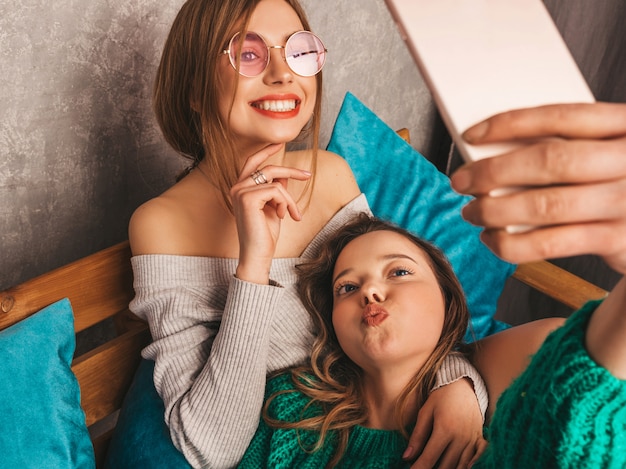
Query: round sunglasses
[304,53]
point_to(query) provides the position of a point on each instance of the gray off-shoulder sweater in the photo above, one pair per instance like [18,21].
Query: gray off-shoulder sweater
[216,337]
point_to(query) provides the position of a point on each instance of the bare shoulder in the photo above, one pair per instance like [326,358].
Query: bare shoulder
[333,172]
[502,357]
[152,226]
[333,162]
[188,219]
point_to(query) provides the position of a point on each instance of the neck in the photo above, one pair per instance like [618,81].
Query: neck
[382,391]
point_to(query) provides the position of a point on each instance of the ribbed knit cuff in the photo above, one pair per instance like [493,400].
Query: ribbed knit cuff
[455,367]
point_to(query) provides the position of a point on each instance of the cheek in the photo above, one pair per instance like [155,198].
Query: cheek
[337,323]
[426,321]
[225,89]
[310,90]
[341,325]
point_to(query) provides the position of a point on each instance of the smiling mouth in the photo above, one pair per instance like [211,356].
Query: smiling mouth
[374,314]
[284,105]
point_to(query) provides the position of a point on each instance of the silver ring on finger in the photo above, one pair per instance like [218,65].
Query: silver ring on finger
[258,177]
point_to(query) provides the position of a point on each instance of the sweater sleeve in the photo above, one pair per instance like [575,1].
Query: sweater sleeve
[210,363]
[564,411]
[457,366]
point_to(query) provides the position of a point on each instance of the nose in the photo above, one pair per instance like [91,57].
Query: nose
[277,70]
[372,293]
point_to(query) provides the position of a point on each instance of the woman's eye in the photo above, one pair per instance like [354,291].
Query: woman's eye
[249,56]
[400,272]
[345,288]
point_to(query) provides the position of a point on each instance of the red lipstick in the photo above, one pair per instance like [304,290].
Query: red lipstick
[282,106]
[374,314]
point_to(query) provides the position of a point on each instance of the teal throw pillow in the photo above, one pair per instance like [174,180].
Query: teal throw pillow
[404,187]
[41,421]
[141,439]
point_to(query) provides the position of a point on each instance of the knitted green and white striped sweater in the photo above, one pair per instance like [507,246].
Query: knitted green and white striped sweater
[564,411]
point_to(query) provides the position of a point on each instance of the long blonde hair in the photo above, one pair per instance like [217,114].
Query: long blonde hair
[334,381]
[188,72]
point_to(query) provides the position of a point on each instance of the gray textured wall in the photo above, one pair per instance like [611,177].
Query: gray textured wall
[80,150]
[78,144]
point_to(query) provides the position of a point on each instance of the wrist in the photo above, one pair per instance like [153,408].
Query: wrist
[253,274]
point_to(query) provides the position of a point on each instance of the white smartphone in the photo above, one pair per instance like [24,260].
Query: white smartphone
[482,57]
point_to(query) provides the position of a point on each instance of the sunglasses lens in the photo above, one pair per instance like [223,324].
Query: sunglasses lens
[305,53]
[251,53]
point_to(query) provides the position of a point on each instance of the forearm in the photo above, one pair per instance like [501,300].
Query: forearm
[605,339]
[212,384]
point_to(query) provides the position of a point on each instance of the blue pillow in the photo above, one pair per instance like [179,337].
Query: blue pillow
[141,439]
[404,187]
[41,421]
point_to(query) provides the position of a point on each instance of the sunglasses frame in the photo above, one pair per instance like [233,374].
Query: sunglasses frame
[269,55]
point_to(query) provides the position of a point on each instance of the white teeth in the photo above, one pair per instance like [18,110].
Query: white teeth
[276,106]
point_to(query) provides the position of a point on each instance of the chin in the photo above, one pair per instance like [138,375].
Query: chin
[285,138]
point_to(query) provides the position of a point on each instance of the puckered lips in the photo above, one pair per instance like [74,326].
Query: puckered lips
[374,314]
[284,106]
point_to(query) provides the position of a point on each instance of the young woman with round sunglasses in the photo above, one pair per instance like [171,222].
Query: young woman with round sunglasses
[214,256]
[388,309]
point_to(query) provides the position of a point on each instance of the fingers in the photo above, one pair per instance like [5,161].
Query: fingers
[457,456]
[550,162]
[254,161]
[419,437]
[480,448]
[255,198]
[447,439]
[570,191]
[275,174]
[603,239]
[444,453]
[267,186]
[589,120]
[431,454]
[567,220]
[549,206]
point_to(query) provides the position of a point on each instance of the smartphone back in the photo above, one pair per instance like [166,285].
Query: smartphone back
[482,57]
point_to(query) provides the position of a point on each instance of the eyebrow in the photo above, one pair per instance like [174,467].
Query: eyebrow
[284,39]
[386,257]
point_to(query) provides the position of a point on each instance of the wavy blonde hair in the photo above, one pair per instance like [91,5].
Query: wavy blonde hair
[334,381]
[188,73]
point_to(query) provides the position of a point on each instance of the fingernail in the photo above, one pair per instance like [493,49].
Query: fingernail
[408,453]
[476,132]
[306,173]
[461,180]
[467,214]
